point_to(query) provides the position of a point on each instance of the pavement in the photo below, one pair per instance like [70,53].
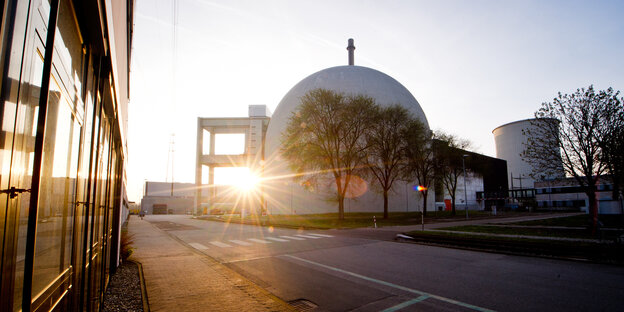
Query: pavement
[178,278]
[197,265]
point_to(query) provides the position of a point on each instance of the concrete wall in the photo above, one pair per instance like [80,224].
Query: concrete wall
[164,189]
[474,184]
[175,205]
[510,143]
[286,197]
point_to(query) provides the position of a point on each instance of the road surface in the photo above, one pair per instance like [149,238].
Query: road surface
[364,270]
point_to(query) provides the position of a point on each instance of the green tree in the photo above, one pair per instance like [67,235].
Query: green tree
[419,151]
[386,145]
[577,141]
[449,151]
[325,139]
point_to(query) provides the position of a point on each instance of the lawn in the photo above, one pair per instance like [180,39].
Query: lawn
[351,220]
[576,221]
[548,232]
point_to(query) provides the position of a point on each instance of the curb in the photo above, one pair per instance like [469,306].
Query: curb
[146,307]
[508,250]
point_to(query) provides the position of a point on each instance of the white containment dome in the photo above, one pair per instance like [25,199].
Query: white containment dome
[286,196]
[346,79]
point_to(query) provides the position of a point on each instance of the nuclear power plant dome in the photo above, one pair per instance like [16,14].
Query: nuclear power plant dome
[350,80]
[282,192]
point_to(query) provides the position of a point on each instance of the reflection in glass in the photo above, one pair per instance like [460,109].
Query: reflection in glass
[56,190]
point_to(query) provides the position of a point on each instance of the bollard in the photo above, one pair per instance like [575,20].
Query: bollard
[375,221]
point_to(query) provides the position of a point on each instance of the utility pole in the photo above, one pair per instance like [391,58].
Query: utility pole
[465,191]
[170,160]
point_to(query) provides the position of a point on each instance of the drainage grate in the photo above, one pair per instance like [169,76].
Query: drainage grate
[303,305]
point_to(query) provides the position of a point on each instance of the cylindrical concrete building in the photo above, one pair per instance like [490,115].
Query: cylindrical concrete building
[510,143]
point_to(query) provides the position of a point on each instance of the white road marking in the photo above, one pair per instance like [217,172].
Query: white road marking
[414,291]
[198,246]
[321,235]
[220,244]
[276,239]
[240,242]
[261,241]
[308,236]
[291,237]
[406,304]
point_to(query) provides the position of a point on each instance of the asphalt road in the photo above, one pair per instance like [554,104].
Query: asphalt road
[364,270]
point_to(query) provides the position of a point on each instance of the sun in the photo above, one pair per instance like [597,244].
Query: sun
[247,182]
[239,177]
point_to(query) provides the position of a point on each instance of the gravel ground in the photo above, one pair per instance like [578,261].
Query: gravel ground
[124,290]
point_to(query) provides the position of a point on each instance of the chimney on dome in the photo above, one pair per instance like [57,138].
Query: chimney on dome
[351,48]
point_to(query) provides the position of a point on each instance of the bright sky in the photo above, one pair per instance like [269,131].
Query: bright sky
[472,65]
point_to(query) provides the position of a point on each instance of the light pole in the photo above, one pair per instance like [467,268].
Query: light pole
[422,190]
[465,191]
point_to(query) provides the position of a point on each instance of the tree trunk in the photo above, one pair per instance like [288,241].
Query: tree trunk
[340,198]
[340,207]
[385,196]
[452,205]
[593,210]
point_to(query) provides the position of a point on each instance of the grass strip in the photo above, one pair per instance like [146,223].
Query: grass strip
[576,221]
[605,252]
[547,232]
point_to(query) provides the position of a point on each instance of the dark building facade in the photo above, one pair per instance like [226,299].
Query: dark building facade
[64,96]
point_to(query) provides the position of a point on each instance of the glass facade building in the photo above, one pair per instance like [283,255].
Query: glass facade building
[64,97]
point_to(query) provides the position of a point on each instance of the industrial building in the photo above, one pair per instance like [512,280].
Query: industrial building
[252,132]
[280,193]
[566,194]
[531,188]
[168,198]
[64,103]
[511,140]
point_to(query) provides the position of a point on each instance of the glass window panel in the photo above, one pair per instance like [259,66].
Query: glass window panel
[22,163]
[56,190]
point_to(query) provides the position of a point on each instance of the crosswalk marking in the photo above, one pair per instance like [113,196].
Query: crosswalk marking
[321,235]
[276,239]
[240,242]
[265,240]
[198,246]
[261,241]
[220,244]
[308,236]
[292,237]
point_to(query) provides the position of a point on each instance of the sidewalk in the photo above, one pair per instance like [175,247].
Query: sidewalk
[178,278]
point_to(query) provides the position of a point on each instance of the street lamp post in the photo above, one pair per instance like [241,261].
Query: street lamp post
[422,190]
[465,191]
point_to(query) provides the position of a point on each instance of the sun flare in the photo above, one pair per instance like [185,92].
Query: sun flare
[239,177]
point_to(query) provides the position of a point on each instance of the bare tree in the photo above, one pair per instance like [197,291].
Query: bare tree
[325,138]
[613,151]
[386,148]
[449,151]
[576,141]
[421,163]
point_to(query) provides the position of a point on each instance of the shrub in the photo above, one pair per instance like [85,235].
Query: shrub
[125,248]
